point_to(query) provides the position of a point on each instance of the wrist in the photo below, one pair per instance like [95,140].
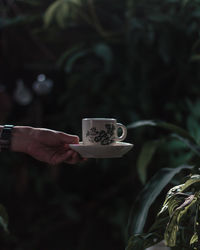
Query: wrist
[20,139]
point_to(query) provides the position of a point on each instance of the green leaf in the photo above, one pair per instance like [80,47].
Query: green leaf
[51,12]
[147,196]
[193,127]
[72,60]
[168,126]
[3,218]
[194,179]
[173,225]
[171,203]
[178,152]
[181,202]
[136,242]
[104,52]
[60,11]
[193,146]
[145,156]
[194,108]
[65,55]
[179,133]
[142,241]
[194,239]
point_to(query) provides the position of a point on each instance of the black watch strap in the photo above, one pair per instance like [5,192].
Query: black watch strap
[5,137]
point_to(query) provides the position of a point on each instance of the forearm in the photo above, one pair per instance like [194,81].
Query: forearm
[43,144]
[20,138]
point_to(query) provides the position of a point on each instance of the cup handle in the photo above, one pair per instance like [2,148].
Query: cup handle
[124,131]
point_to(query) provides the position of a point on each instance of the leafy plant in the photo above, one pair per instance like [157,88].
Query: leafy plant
[177,222]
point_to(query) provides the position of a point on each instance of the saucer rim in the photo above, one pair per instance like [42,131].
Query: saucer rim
[100,146]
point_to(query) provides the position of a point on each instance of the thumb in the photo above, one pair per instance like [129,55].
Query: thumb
[70,139]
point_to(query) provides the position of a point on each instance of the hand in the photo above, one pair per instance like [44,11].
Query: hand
[45,145]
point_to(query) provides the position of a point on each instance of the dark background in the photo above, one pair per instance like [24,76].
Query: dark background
[131,60]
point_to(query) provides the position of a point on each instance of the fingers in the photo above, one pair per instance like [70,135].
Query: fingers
[73,157]
[67,155]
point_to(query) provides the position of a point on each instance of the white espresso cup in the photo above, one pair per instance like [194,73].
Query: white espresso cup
[102,131]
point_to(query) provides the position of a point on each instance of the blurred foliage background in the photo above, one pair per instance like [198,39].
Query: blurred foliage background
[65,60]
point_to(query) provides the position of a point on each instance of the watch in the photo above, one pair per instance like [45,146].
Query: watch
[5,137]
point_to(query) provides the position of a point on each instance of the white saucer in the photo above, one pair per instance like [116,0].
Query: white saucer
[115,150]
